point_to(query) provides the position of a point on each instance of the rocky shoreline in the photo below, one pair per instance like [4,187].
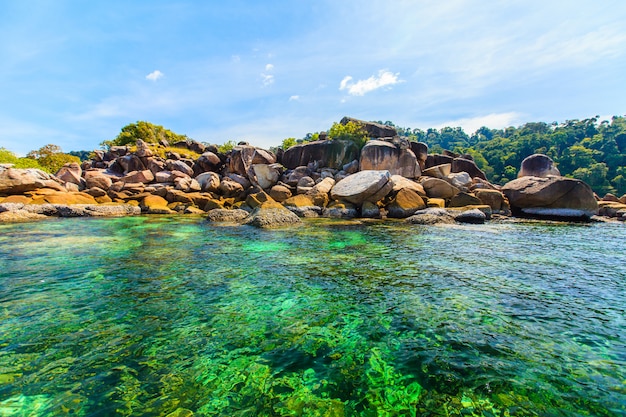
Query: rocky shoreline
[388,178]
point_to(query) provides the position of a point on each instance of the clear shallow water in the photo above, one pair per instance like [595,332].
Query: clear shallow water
[148,315]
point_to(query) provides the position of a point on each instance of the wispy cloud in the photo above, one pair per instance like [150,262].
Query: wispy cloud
[267,78]
[360,88]
[294,98]
[155,75]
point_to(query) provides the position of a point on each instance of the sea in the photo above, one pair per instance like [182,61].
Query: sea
[176,316]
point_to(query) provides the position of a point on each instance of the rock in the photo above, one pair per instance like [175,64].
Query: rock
[436,202]
[382,155]
[538,165]
[493,198]
[179,165]
[145,177]
[243,157]
[292,177]
[19,216]
[280,193]
[245,183]
[405,203]
[437,159]
[473,216]
[208,161]
[610,208]
[340,210]
[351,167]
[130,163]
[196,147]
[363,186]
[187,185]
[209,181]
[319,193]
[460,180]
[261,199]
[463,199]
[154,204]
[163,177]
[303,206]
[610,197]
[431,216]
[438,171]
[469,166]
[304,184]
[438,188]
[97,179]
[267,175]
[155,165]
[17,199]
[64,198]
[227,215]
[370,210]
[71,173]
[271,217]
[420,149]
[19,181]
[555,197]
[330,153]
[374,130]
[622,199]
[230,187]
[143,149]
[178,196]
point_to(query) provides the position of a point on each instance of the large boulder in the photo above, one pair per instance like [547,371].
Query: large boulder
[72,173]
[373,129]
[267,175]
[405,204]
[438,188]
[538,165]
[383,155]
[208,161]
[399,183]
[145,176]
[328,153]
[97,179]
[227,215]
[19,181]
[209,181]
[243,157]
[363,186]
[420,149]
[557,197]
[469,166]
[431,216]
[272,215]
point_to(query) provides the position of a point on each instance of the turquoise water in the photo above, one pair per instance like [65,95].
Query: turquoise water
[147,316]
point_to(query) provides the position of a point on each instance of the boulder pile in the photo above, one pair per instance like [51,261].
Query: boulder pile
[389,178]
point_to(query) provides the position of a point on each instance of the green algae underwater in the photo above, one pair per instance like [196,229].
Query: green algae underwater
[158,316]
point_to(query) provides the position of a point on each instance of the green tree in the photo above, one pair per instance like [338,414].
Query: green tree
[351,131]
[226,146]
[145,131]
[51,158]
[288,143]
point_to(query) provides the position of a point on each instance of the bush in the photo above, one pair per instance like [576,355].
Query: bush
[350,131]
[145,131]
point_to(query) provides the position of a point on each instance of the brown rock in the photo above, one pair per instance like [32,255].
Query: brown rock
[363,186]
[18,181]
[438,171]
[405,204]
[20,199]
[438,188]
[436,203]
[538,165]
[493,198]
[227,215]
[97,179]
[558,197]
[382,155]
[154,204]
[399,182]
[469,166]
[463,199]
[145,177]
[72,173]
[280,193]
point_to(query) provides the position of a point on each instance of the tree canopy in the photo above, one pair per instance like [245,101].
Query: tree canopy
[145,131]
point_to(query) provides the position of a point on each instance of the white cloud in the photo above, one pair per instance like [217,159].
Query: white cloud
[294,98]
[155,75]
[267,79]
[492,121]
[362,87]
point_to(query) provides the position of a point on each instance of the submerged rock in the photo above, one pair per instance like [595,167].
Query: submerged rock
[227,215]
[271,217]
[430,216]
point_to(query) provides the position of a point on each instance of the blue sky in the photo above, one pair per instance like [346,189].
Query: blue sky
[73,73]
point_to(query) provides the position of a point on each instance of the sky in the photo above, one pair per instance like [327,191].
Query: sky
[73,73]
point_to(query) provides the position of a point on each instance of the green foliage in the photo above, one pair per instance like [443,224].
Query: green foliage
[351,131]
[226,146]
[82,155]
[145,131]
[288,143]
[8,157]
[51,158]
